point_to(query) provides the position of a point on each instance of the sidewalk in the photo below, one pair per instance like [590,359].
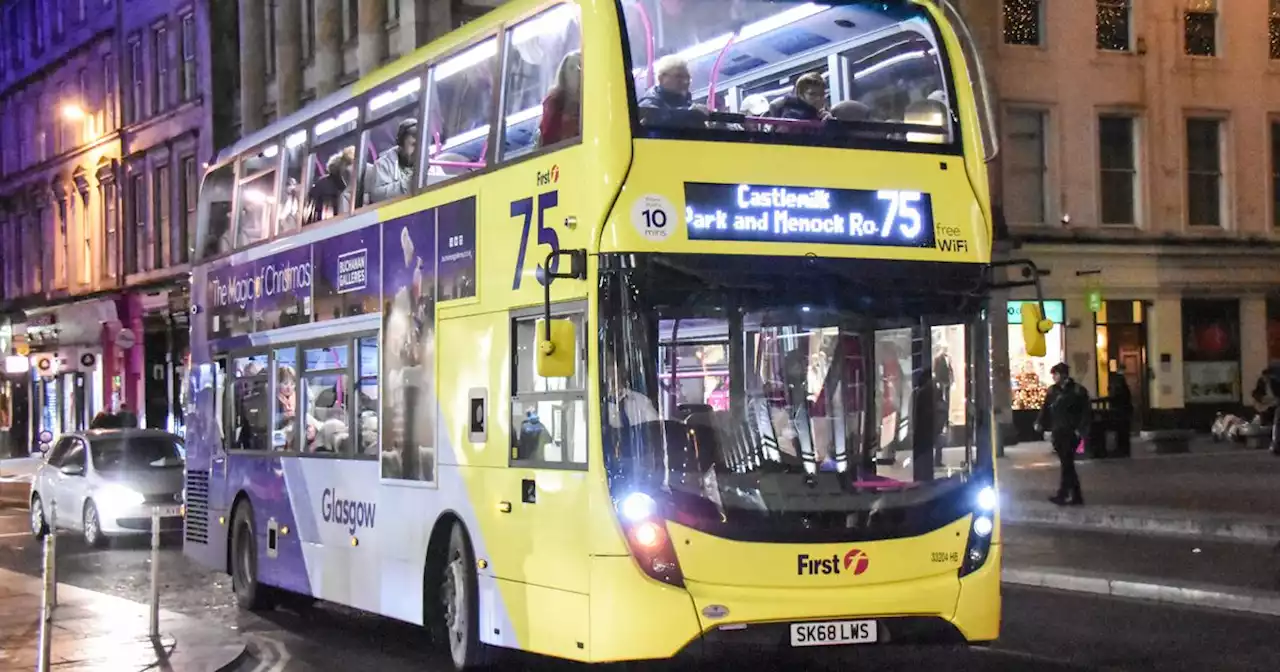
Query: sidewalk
[93,631]
[1200,528]
[1216,491]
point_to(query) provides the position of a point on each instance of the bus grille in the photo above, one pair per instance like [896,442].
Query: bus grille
[197,525]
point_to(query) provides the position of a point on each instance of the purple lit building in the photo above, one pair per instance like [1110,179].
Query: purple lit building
[105,126]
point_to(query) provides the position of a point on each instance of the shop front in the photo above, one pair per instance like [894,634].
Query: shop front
[67,372]
[1029,376]
[165,345]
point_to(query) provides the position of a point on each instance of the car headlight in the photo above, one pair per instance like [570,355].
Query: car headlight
[119,496]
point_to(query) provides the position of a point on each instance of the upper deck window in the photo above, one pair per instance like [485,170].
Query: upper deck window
[542,100]
[790,71]
[257,198]
[391,142]
[457,130]
[332,166]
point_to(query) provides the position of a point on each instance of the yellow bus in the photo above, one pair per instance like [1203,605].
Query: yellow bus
[613,330]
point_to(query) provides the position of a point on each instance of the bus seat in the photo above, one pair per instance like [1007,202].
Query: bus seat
[851,110]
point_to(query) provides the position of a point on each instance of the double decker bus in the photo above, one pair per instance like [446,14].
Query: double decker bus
[613,330]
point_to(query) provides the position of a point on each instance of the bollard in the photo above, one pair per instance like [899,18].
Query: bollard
[155,573]
[49,596]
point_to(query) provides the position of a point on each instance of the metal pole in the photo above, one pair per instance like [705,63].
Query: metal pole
[155,573]
[48,596]
[53,546]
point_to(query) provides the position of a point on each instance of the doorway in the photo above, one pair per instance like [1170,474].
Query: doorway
[1121,336]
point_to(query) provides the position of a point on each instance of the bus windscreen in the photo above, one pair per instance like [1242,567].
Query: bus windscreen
[830,73]
[793,400]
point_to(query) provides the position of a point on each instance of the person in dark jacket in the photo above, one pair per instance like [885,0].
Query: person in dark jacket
[1122,409]
[1065,415]
[1265,393]
[806,102]
[669,103]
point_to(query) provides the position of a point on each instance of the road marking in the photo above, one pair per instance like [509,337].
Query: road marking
[7,535]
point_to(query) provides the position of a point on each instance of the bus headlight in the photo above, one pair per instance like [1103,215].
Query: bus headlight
[983,526]
[987,499]
[646,534]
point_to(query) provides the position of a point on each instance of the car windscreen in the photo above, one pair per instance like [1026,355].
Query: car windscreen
[137,453]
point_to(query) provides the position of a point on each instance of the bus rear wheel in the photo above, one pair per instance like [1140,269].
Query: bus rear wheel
[456,620]
[250,595]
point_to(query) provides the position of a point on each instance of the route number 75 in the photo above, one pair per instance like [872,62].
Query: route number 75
[546,235]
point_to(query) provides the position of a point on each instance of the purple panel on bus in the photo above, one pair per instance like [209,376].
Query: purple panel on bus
[269,293]
[457,242]
[348,274]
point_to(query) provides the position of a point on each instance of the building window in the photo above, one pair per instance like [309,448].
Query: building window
[189,62]
[393,11]
[1204,172]
[59,19]
[1118,162]
[160,84]
[187,196]
[1113,18]
[133,111]
[108,93]
[1027,167]
[110,231]
[1274,28]
[14,31]
[60,251]
[37,26]
[82,10]
[1275,174]
[1201,28]
[309,30]
[271,12]
[161,198]
[86,240]
[1211,351]
[35,244]
[87,102]
[5,44]
[1022,20]
[136,258]
[351,21]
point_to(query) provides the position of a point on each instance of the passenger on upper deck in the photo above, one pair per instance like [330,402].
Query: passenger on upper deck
[669,103]
[562,108]
[392,175]
[807,102]
[329,195]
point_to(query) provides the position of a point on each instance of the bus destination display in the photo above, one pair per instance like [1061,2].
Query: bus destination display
[771,214]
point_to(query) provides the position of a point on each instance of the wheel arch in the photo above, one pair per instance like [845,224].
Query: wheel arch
[241,499]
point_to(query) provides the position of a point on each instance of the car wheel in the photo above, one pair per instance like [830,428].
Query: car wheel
[250,595]
[92,526]
[457,619]
[39,526]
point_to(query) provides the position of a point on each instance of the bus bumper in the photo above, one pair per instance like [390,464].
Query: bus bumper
[662,622]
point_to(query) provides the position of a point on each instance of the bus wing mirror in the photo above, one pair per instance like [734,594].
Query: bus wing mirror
[556,348]
[1034,328]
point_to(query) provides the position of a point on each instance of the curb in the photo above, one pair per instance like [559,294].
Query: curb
[1142,588]
[1160,522]
[235,663]
[14,491]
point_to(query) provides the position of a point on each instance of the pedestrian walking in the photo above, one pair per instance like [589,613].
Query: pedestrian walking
[1065,415]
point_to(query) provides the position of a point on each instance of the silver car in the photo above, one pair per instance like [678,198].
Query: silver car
[106,482]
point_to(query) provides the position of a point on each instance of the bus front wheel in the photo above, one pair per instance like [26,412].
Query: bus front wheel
[250,595]
[457,617]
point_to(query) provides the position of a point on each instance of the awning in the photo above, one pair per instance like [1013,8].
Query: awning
[69,324]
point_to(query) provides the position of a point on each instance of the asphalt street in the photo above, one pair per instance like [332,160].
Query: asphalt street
[1043,630]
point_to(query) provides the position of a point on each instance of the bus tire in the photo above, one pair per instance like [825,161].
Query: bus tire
[250,594]
[455,618]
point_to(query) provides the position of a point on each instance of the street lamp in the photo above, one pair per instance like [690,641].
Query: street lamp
[73,112]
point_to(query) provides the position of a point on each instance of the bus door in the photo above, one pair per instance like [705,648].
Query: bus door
[546,484]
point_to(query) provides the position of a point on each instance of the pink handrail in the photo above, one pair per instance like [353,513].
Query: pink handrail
[648,43]
[715,72]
